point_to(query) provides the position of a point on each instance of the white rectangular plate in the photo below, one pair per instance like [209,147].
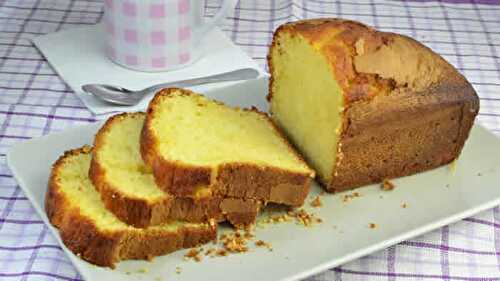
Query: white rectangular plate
[434,199]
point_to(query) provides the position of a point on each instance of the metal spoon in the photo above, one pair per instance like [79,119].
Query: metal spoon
[123,96]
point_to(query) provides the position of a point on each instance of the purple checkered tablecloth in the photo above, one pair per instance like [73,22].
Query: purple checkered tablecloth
[34,101]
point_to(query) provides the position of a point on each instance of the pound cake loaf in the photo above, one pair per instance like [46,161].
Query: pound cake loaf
[128,189]
[362,105]
[199,146]
[93,233]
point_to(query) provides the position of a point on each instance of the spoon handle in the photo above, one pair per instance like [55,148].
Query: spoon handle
[241,74]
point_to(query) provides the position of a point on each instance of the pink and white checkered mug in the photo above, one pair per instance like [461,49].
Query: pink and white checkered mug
[157,35]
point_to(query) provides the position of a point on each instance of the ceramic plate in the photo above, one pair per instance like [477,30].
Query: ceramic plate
[433,199]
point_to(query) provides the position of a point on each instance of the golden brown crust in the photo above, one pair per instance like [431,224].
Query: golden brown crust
[404,133]
[268,184]
[237,211]
[105,248]
[239,180]
[143,213]
[396,91]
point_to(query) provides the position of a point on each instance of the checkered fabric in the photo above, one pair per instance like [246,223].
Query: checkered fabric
[34,101]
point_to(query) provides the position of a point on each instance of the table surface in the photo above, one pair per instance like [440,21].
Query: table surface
[34,101]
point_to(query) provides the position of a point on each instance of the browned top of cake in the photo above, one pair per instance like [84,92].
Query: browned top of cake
[367,62]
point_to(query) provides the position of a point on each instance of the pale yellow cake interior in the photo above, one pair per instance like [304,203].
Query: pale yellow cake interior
[307,101]
[120,157]
[198,131]
[76,187]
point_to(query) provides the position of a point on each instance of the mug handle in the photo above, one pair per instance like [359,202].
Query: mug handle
[226,6]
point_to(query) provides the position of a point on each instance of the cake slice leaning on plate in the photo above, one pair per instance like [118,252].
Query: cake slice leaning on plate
[199,146]
[128,189]
[93,233]
[362,105]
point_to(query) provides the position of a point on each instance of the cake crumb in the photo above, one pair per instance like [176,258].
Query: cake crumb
[387,185]
[316,203]
[221,253]
[404,205]
[128,272]
[304,218]
[349,197]
[372,225]
[178,269]
[260,243]
[277,219]
[447,185]
[194,254]
[479,174]
[300,216]
[210,251]
[143,270]
[235,243]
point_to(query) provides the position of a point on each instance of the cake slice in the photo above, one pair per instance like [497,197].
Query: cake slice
[198,146]
[93,233]
[128,189]
[363,106]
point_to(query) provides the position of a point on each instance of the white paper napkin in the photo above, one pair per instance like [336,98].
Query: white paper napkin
[77,55]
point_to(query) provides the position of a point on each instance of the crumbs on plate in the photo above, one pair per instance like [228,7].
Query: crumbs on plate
[316,203]
[260,243]
[234,242]
[210,251]
[387,185]
[348,197]
[237,241]
[194,254]
[300,216]
[304,218]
